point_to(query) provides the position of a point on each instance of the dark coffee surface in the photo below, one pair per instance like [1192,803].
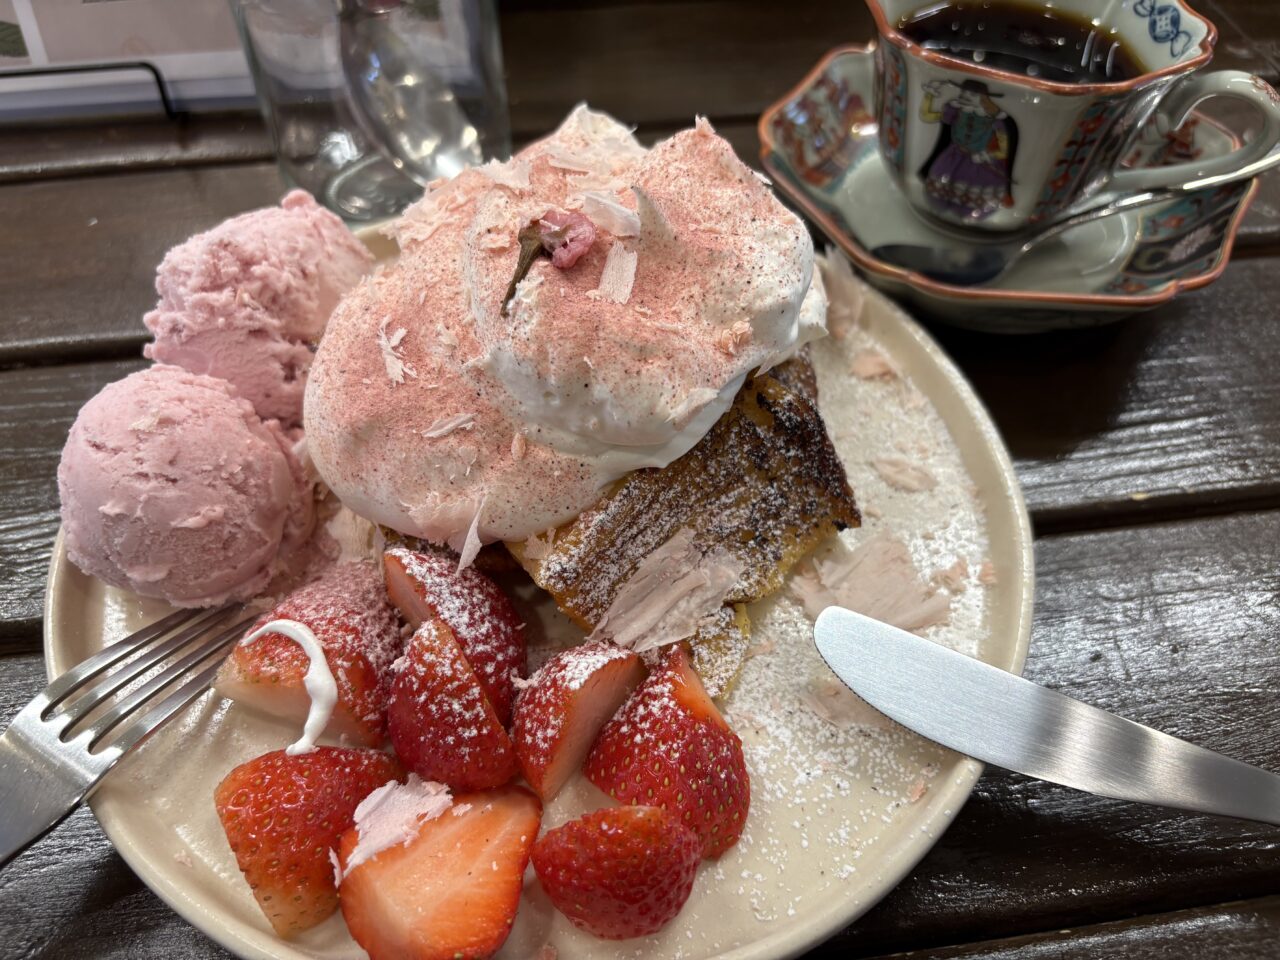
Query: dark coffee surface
[1026,39]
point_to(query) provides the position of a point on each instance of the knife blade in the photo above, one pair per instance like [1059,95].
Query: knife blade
[999,718]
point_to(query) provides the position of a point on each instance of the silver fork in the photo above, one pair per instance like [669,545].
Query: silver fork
[54,753]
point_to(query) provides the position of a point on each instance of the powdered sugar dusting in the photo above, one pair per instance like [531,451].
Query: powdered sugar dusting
[832,814]
[466,600]
[836,787]
[347,611]
[352,594]
[566,672]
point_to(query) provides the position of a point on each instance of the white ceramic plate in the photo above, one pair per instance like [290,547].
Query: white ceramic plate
[838,816]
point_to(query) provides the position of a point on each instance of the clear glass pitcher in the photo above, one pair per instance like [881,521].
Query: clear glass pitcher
[369,100]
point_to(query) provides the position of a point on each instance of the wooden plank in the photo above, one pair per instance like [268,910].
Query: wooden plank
[42,151]
[71,895]
[1171,625]
[1243,930]
[80,254]
[1248,35]
[1260,231]
[37,407]
[1171,410]
[665,61]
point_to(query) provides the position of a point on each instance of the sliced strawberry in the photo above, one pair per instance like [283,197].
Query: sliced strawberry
[348,611]
[619,873]
[440,722]
[452,890]
[669,746]
[559,713]
[424,584]
[283,815]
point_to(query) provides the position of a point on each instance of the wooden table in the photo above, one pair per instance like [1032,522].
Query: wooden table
[1149,453]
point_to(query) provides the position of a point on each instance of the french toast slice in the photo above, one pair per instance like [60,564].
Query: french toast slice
[765,484]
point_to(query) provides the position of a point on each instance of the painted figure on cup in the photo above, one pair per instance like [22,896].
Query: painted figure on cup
[970,171]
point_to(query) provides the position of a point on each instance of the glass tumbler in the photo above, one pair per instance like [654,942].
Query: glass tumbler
[367,101]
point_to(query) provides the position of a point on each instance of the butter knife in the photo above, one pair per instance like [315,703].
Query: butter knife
[999,718]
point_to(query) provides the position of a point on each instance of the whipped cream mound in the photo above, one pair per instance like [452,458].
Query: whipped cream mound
[393,814]
[696,275]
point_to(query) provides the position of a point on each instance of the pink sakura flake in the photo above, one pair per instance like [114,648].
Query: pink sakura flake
[567,237]
[536,548]
[872,365]
[902,474]
[734,338]
[953,577]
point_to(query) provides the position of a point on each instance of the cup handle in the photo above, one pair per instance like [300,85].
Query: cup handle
[1174,109]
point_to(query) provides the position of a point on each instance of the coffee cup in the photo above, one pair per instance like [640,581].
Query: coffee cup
[1000,115]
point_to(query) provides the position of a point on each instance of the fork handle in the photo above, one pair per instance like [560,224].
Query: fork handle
[33,799]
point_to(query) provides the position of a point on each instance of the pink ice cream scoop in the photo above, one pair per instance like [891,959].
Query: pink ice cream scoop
[248,300]
[173,487]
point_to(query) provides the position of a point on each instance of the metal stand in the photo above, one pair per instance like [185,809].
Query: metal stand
[170,111]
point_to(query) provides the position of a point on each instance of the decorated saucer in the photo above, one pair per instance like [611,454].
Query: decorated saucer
[819,144]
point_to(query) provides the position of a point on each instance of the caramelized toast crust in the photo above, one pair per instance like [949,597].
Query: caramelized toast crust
[765,484]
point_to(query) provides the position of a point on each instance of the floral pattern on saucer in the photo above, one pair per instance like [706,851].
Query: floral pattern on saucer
[815,136]
[1184,238]
[820,147]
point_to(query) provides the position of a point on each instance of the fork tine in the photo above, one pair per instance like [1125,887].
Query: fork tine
[58,690]
[152,720]
[113,717]
[105,687]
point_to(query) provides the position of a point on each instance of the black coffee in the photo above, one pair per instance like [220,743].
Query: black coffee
[1023,38]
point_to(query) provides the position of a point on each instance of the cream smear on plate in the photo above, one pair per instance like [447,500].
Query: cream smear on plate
[318,680]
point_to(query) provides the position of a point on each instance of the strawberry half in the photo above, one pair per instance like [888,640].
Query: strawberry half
[348,611]
[451,891]
[439,719]
[283,815]
[670,747]
[486,626]
[558,714]
[619,873]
